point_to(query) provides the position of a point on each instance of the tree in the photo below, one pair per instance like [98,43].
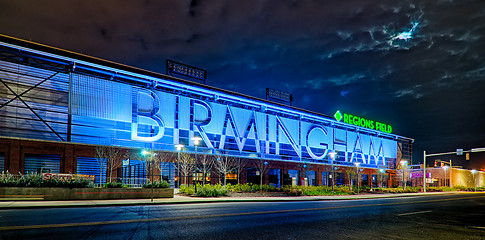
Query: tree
[402,174]
[114,158]
[353,176]
[224,164]
[381,175]
[163,157]
[100,159]
[262,166]
[206,163]
[239,165]
[185,165]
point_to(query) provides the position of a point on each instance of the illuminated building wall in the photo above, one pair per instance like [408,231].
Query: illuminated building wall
[52,94]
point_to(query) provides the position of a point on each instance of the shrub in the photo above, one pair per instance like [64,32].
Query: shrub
[36,180]
[211,190]
[114,185]
[157,184]
[317,190]
[248,187]
[187,190]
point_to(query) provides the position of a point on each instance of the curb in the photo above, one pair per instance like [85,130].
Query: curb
[90,203]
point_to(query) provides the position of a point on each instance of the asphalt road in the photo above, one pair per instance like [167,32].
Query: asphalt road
[453,216]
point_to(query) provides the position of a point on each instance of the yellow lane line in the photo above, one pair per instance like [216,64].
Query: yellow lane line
[62,225]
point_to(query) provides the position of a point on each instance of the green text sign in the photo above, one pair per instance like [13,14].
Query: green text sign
[362,122]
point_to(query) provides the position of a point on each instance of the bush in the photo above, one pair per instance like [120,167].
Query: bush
[36,180]
[114,185]
[211,190]
[249,187]
[317,190]
[157,184]
[399,190]
[187,190]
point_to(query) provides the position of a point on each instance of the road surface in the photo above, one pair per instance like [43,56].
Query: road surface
[451,216]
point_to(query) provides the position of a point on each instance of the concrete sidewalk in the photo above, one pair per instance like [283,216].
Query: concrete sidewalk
[178,199]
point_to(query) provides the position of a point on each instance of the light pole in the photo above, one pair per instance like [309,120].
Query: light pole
[196,142]
[304,169]
[474,182]
[332,157]
[445,168]
[151,155]
[358,182]
[404,163]
[179,148]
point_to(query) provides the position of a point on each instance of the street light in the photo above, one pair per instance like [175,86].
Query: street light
[151,155]
[358,184]
[304,169]
[403,173]
[196,142]
[332,156]
[474,182]
[445,168]
[179,148]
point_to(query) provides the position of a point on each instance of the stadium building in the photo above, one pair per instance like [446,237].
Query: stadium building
[59,109]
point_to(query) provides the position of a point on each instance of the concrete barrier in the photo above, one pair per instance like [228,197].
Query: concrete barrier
[43,193]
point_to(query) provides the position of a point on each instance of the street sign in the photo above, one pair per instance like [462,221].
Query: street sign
[459,151]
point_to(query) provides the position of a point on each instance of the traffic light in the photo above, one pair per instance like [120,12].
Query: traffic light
[467,156]
[438,163]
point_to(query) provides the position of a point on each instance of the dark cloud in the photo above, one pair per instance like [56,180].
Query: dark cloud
[416,64]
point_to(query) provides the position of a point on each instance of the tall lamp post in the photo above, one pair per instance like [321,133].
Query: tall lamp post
[445,168]
[358,177]
[332,157]
[150,155]
[179,148]
[474,182]
[404,163]
[196,142]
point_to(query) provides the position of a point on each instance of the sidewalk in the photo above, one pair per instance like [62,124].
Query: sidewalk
[178,199]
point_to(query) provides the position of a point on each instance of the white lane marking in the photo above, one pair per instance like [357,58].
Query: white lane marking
[412,213]
[477,227]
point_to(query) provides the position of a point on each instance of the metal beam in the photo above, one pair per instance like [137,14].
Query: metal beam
[32,110]
[26,91]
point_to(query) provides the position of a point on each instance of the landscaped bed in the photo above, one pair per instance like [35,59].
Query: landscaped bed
[35,186]
[253,190]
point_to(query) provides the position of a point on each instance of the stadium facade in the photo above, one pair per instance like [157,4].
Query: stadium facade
[57,107]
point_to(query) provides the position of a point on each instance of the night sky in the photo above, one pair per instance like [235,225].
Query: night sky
[417,65]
